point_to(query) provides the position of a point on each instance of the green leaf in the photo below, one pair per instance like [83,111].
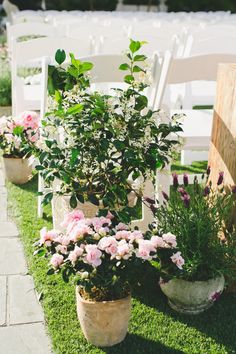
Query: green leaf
[47,198]
[80,198]
[18,130]
[60,56]
[93,199]
[77,108]
[73,201]
[124,67]
[75,62]
[141,102]
[58,97]
[128,79]
[137,69]
[73,71]
[86,66]
[134,46]
[41,252]
[140,57]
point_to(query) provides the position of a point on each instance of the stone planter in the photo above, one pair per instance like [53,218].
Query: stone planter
[192,297]
[104,323]
[17,170]
[61,207]
[5,111]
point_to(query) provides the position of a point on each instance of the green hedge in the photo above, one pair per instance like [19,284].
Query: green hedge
[83,5]
[141,2]
[201,5]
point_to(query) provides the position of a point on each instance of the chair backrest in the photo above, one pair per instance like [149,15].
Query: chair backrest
[27,29]
[183,70]
[30,54]
[10,9]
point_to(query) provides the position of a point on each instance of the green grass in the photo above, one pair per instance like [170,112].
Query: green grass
[154,327]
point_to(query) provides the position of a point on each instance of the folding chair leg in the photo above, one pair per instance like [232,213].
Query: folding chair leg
[40,197]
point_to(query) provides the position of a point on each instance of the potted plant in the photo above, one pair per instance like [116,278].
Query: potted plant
[195,217]
[102,148]
[104,256]
[17,135]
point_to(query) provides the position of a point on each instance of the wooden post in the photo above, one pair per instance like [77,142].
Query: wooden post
[222,156]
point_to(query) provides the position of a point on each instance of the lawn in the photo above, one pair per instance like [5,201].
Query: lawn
[154,327]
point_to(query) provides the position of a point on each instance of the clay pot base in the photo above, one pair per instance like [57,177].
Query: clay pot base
[190,310]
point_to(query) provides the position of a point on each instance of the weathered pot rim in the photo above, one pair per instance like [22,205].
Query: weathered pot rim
[220,276]
[14,158]
[127,298]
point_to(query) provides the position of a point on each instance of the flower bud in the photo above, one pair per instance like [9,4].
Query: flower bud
[175,180]
[165,196]
[185,179]
[208,171]
[186,200]
[220,178]
[206,191]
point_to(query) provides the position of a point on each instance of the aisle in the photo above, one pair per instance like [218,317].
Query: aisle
[22,329]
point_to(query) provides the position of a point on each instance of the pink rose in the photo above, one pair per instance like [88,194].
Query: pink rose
[170,239]
[74,216]
[98,223]
[144,249]
[124,250]
[93,256]
[178,260]
[121,226]
[123,235]
[110,215]
[158,242]
[56,260]
[108,244]
[135,236]
[29,119]
[79,231]
[46,237]
[61,249]
[75,254]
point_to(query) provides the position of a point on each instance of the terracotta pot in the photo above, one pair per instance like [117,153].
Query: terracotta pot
[17,170]
[192,297]
[104,323]
[61,207]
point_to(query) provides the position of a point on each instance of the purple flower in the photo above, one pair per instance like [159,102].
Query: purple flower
[165,196]
[149,200]
[208,171]
[175,180]
[215,296]
[182,191]
[206,191]
[220,179]
[185,179]
[186,200]
[153,208]
[234,189]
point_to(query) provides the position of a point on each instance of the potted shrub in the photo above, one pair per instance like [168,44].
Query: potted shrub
[102,148]
[17,135]
[195,217]
[104,256]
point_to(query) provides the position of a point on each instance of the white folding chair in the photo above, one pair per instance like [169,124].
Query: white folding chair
[29,54]
[197,124]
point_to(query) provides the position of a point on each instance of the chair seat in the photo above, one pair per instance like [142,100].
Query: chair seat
[196,127]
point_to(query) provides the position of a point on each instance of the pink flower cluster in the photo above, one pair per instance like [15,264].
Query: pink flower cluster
[95,240]
[28,121]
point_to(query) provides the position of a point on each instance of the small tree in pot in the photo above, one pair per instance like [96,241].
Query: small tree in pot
[102,143]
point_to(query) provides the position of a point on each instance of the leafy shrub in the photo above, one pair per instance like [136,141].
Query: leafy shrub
[201,5]
[5,90]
